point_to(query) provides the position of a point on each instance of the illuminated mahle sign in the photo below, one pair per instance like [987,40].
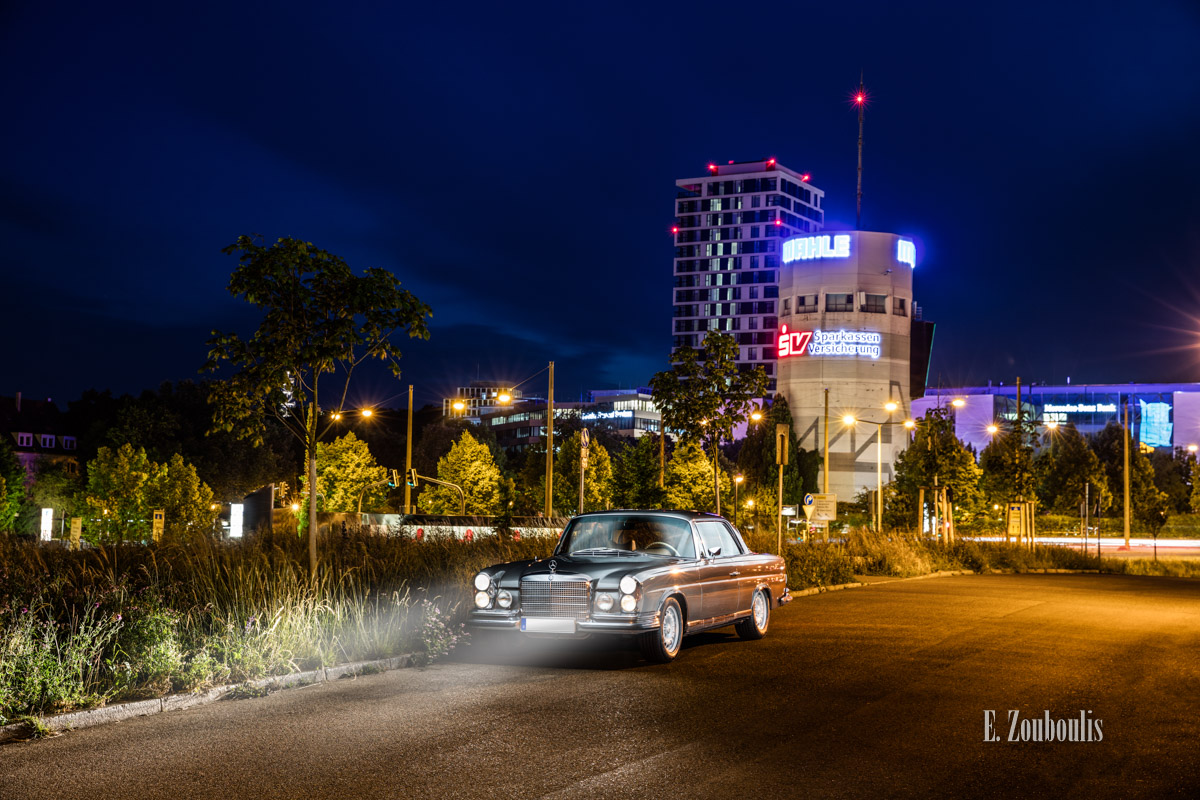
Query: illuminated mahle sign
[821,343]
[807,248]
[906,252]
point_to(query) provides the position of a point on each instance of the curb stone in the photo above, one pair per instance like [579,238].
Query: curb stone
[939,574]
[76,720]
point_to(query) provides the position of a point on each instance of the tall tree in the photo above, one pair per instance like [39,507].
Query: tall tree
[1149,504]
[705,395]
[598,479]
[688,479]
[1007,463]
[1173,477]
[319,320]
[346,473]
[125,486]
[635,475]
[935,454]
[469,464]
[757,456]
[1062,470]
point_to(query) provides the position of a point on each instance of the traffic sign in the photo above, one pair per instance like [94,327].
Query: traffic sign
[824,507]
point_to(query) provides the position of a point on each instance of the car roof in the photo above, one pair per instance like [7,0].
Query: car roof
[689,515]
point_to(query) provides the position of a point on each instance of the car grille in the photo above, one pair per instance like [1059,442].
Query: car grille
[561,597]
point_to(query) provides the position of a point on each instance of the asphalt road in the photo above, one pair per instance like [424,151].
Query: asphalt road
[875,692]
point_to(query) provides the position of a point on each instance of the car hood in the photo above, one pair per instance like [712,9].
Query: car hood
[604,569]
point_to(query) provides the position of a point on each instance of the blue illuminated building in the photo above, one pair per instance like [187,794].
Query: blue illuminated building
[1161,415]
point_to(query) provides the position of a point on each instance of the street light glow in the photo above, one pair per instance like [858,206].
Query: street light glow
[958,402]
[504,397]
[336,416]
[755,415]
[890,406]
[366,412]
[992,430]
[910,423]
[459,405]
[739,478]
[848,419]
[1052,424]
[1192,448]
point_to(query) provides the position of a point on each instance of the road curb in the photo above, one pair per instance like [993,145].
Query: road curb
[946,573]
[76,720]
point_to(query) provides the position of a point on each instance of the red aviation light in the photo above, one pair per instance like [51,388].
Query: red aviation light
[712,167]
[806,177]
[778,222]
[731,161]
[770,162]
[674,229]
[860,98]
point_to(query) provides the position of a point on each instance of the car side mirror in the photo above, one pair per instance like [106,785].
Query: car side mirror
[713,552]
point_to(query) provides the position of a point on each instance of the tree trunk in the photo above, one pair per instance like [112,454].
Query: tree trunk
[716,476]
[313,527]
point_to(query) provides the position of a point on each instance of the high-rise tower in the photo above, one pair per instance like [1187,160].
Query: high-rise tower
[729,228]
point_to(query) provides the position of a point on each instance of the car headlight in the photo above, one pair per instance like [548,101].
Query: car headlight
[504,599]
[605,602]
[628,586]
[483,581]
[482,600]
[628,603]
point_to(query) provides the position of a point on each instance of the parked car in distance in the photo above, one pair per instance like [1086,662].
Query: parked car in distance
[656,575]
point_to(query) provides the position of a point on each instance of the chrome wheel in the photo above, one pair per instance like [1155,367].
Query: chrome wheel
[755,625]
[662,645]
[759,608]
[672,629]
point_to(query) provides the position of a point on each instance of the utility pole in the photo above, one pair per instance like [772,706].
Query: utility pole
[408,454]
[826,473]
[782,434]
[550,446]
[584,442]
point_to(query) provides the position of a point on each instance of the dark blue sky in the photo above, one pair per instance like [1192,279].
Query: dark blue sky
[514,165]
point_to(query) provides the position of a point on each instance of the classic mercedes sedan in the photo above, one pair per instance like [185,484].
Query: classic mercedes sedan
[657,575]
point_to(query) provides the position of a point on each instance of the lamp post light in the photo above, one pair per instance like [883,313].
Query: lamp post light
[737,481]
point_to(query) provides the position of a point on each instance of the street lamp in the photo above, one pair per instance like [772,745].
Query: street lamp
[737,481]
[958,402]
[850,421]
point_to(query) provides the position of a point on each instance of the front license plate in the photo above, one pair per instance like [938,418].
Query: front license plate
[547,625]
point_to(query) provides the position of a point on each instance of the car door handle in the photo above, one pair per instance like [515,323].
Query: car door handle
[734,574]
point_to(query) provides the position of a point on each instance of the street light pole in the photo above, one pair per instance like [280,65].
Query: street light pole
[737,481]
[408,454]
[550,446]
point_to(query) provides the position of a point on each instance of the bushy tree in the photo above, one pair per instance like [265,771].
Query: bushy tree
[1007,464]
[935,452]
[1062,470]
[635,476]
[52,487]
[1173,477]
[756,458]
[346,470]
[469,464]
[12,486]
[598,480]
[1149,504]
[125,486]
[689,478]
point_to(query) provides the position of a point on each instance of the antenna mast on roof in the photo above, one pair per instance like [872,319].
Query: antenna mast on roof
[860,100]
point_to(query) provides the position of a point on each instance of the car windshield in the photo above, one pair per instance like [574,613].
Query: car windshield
[635,534]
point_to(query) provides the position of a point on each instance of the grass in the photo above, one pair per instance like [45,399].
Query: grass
[79,629]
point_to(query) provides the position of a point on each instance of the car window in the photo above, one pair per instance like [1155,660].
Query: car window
[652,535]
[715,533]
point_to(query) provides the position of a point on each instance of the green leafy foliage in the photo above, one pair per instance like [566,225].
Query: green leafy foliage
[689,478]
[635,475]
[1149,503]
[469,464]
[935,452]
[346,471]
[12,486]
[1064,468]
[125,486]
[598,479]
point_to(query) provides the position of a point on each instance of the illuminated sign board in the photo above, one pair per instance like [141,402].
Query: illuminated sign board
[606,415]
[808,248]
[906,252]
[1075,408]
[829,343]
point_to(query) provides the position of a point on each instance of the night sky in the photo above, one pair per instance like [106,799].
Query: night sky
[514,165]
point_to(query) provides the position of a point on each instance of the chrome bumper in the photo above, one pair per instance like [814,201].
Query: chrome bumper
[617,623]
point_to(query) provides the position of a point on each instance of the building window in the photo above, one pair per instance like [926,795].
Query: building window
[806,304]
[68,443]
[47,440]
[875,303]
[72,468]
[787,306]
[753,324]
[753,293]
[24,440]
[752,354]
[839,302]
[898,307]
